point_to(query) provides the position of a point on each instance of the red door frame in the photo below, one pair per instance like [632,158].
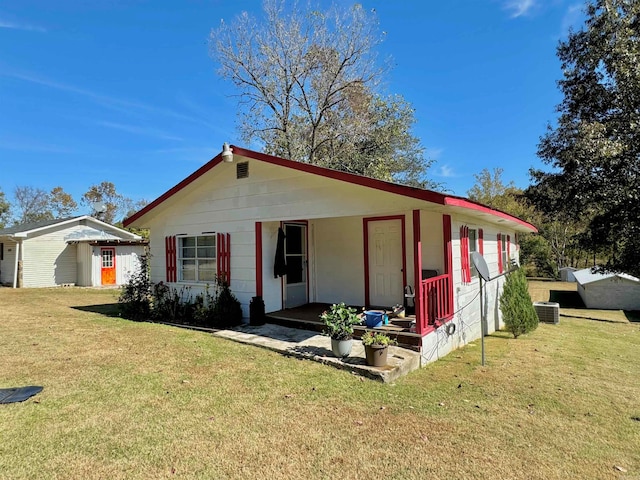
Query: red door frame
[365,229]
[113,257]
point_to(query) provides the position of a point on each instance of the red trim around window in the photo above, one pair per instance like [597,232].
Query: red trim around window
[508,248]
[365,228]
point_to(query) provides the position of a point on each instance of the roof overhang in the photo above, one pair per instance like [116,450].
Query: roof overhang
[450,202]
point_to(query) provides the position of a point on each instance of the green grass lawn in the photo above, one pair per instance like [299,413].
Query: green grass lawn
[141,400]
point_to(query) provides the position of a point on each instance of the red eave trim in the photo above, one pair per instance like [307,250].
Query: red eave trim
[191,178]
[464,203]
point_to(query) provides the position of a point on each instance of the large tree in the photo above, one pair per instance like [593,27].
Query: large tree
[32,204]
[308,82]
[595,146]
[105,202]
[5,210]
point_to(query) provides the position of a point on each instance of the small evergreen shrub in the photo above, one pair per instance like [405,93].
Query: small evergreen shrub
[516,306]
[227,311]
[135,295]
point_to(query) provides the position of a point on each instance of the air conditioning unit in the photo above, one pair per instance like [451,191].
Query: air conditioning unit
[548,312]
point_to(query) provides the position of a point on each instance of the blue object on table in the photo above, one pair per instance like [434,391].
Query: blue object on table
[373,318]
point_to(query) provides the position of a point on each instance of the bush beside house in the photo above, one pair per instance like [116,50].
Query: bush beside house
[516,306]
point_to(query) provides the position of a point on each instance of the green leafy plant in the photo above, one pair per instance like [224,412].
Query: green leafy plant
[339,321]
[517,309]
[135,295]
[377,338]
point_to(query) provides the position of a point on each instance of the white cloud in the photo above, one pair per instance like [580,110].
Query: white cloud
[21,26]
[445,171]
[519,8]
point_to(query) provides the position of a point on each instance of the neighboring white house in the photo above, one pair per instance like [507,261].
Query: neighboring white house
[608,291]
[71,251]
[342,237]
[567,274]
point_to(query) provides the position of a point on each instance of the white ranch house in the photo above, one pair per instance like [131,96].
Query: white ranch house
[79,251]
[346,238]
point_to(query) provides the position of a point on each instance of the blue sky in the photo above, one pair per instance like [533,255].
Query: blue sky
[125,90]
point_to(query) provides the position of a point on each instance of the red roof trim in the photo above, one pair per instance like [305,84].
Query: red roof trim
[406,191]
[464,203]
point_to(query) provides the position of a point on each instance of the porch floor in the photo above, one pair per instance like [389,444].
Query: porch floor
[308,317]
[309,345]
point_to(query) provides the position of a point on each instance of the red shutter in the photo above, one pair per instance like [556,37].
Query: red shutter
[223,257]
[481,241]
[508,249]
[500,266]
[170,258]
[464,254]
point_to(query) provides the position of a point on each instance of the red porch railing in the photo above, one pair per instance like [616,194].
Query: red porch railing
[436,301]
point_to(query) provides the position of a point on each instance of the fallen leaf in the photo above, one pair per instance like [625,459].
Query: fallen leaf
[441,404]
[382,408]
[358,422]
[620,469]
[289,395]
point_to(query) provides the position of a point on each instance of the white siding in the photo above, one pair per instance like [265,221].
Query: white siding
[7,265]
[48,260]
[127,261]
[612,293]
[84,263]
[467,316]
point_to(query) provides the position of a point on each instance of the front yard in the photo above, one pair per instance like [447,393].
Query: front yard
[141,400]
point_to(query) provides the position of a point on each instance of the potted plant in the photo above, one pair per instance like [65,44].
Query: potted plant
[376,346]
[339,321]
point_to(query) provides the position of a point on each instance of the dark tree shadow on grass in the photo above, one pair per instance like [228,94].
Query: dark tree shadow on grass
[106,309]
[566,299]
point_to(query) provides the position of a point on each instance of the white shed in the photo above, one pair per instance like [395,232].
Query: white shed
[80,251]
[566,274]
[608,291]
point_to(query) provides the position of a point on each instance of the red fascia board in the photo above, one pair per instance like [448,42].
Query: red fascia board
[172,191]
[464,203]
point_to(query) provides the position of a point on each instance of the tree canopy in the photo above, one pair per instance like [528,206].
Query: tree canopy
[308,84]
[594,148]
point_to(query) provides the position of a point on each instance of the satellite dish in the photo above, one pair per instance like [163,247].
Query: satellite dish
[99,207]
[481,265]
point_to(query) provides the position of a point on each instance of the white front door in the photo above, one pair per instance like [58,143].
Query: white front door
[295,250]
[385,263]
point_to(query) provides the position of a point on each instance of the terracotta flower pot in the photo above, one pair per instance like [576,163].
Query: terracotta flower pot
[376,355]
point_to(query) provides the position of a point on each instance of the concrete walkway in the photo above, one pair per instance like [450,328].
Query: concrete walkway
[311,346]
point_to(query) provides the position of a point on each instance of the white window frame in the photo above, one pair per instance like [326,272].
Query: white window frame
[199,257]
[505,257]
[473,247]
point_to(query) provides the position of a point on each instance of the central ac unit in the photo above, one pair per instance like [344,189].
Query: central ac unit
[548,312]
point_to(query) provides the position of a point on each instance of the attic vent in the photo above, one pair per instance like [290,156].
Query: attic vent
[242,170]
[548,312]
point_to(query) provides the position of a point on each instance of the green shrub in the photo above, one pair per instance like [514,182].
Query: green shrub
[135,295]
[377,338]
[339,321]
[227,311]
[516,306]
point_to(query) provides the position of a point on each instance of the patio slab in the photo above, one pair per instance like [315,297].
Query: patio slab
[312,346]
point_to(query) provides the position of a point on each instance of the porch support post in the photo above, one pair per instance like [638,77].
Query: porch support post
[259,259]
[15,266]
[417,272]
[448,257]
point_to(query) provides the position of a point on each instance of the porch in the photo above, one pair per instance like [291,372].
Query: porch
[362,261]
[307,317]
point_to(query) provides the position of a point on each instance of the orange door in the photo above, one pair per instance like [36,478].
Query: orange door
[108,270]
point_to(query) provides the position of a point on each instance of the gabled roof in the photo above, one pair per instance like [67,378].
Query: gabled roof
[26,229]
[586,276]
[412,192]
